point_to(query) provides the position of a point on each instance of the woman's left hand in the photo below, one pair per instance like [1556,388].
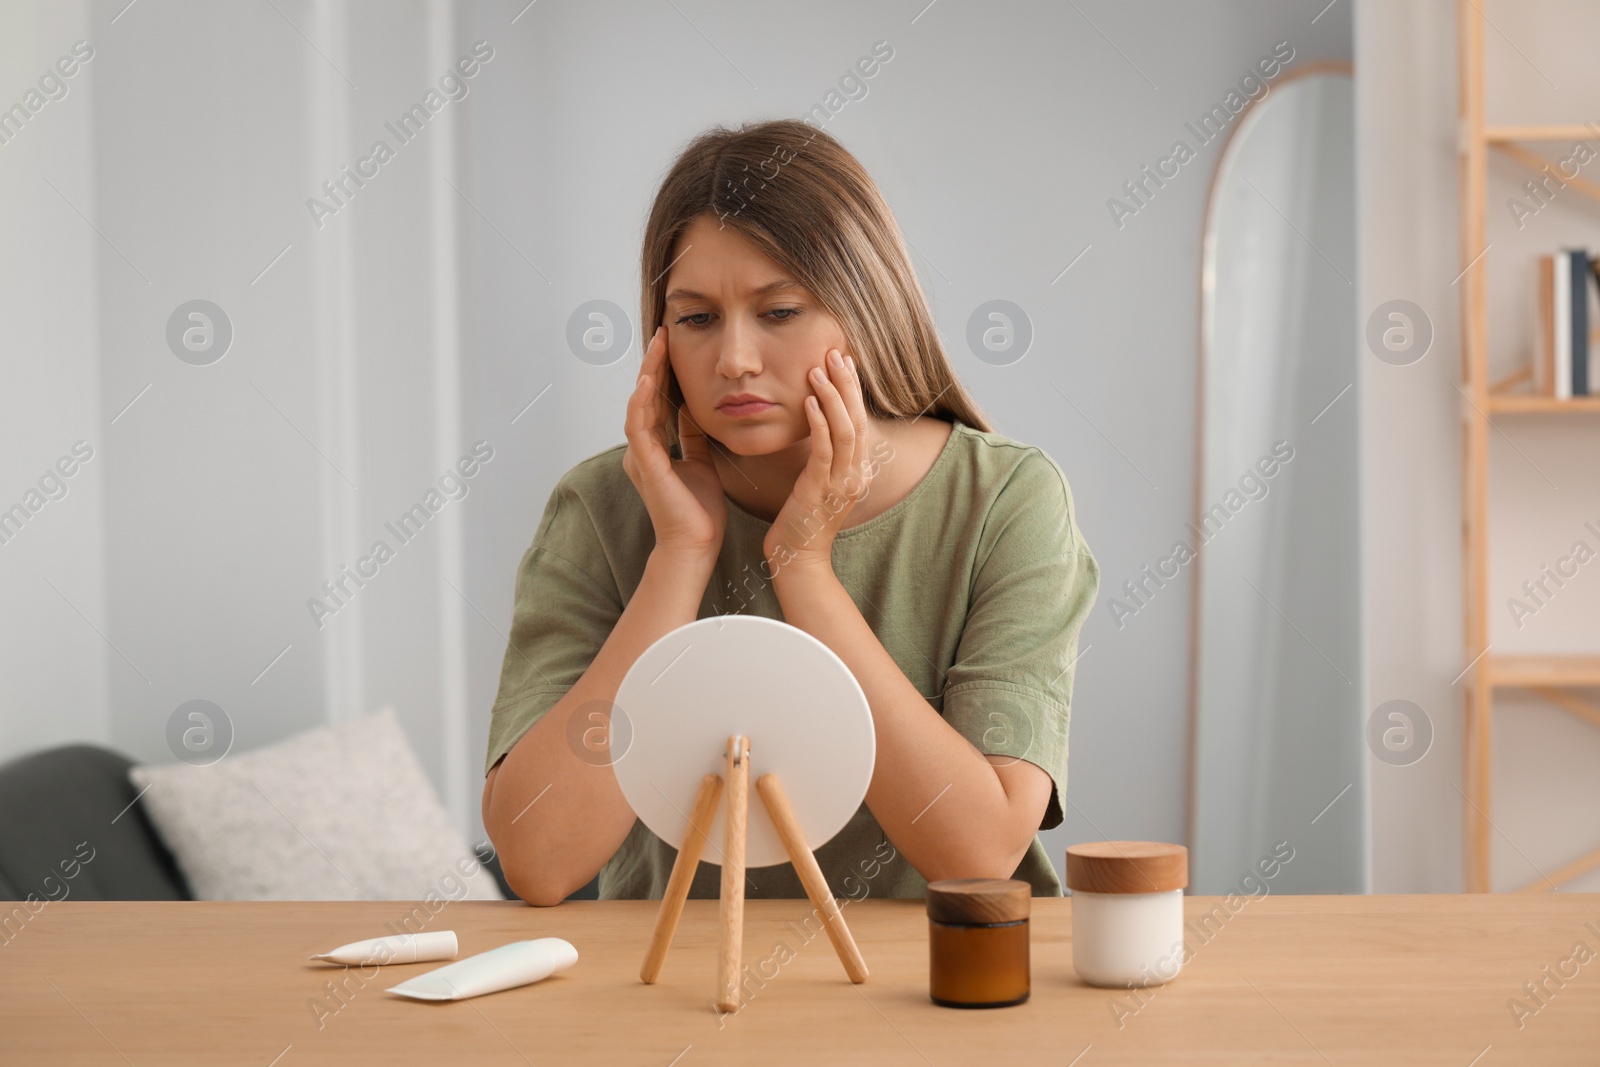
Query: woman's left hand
[836,475]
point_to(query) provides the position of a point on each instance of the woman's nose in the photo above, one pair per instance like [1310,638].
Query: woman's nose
[739,353]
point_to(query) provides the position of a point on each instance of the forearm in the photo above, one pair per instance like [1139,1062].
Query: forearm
[936,796]
[554,815]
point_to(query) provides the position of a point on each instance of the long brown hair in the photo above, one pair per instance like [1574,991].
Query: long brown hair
[809,206]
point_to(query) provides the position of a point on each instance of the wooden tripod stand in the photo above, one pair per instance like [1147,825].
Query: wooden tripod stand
[734,827]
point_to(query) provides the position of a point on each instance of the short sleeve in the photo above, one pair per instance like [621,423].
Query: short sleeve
[1009,691]
[565,607]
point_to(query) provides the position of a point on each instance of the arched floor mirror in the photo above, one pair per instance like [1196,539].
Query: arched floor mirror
[1276,728]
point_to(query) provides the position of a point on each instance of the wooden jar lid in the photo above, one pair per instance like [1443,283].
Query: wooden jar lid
[978,900]
[1127,867]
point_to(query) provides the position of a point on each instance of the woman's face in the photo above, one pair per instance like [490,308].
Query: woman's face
[742,336]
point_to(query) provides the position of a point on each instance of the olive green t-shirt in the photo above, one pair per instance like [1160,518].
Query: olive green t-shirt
[976,583]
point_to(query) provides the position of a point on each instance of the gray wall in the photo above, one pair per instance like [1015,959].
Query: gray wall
[429,312]
[998,133]
[53,666]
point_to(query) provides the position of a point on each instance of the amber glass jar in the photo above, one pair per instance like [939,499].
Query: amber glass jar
[978,942]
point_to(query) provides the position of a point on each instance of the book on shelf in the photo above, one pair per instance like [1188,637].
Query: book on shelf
[1578,259]
[1568,300]
[1544,317]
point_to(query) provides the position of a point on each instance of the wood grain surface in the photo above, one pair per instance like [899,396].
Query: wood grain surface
[1282,979]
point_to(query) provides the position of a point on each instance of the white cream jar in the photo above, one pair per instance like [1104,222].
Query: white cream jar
[1127,911]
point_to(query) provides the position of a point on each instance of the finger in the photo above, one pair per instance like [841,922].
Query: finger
[841,429]
[636,422]
[852,383]
[856,401]
[821,442]
[855,396]
[661,374]
[652,365]
[652,361]
[640,427]
[653,351]
[691,438]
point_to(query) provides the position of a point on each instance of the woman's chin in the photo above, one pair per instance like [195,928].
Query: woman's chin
[757,440]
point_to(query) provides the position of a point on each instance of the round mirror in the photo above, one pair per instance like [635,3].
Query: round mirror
[805,715]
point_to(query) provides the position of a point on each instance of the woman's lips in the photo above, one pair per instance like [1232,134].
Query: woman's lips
[745,408]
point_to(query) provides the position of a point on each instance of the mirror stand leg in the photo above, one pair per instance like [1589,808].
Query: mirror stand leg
[735,827]
[805,865]
[683,868]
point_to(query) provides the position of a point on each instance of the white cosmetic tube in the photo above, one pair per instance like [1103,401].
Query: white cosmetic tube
[511,965]
[402,948]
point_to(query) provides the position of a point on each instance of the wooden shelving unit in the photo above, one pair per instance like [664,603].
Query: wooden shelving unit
[1543,405]
[1528,672]
[1552,677]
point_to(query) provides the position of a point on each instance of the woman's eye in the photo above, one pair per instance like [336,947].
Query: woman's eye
[777,315]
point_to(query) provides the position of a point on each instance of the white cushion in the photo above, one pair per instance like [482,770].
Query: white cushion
[337,813]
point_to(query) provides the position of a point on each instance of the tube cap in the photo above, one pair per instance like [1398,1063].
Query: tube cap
[436,945]
[1127,867]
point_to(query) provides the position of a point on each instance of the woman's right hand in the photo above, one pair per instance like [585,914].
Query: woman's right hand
[684,497]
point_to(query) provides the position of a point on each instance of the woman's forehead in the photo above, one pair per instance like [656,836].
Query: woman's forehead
[777,285]
[708,261]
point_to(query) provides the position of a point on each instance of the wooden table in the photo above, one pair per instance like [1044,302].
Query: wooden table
[1285,979]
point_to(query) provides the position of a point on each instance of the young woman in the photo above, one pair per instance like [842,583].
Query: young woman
[798,447]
